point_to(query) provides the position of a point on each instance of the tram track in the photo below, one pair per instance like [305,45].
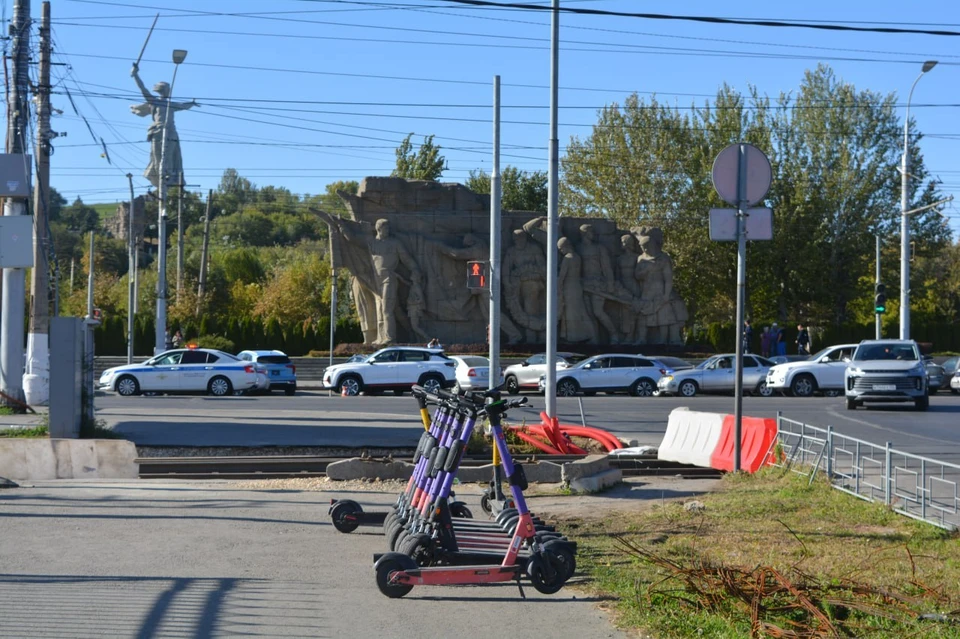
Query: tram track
[303,466]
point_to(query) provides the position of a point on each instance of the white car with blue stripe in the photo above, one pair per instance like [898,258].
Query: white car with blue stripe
[186,370]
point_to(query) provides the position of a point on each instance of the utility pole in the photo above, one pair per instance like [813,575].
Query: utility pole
[131,270]
[14,279]
[494,333]
[180,236]
[553,217]
[879,328]
[36,381]
[203,253]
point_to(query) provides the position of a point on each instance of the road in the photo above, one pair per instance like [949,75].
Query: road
[317,419]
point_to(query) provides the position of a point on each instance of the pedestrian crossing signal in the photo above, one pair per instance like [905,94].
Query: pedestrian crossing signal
[476,275]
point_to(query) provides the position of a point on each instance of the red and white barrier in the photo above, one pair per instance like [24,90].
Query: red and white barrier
[707,440]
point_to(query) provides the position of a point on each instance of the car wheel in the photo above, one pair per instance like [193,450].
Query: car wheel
[831,393]
[688,388]
[803,386]
[431,383]
[763,390]
[219,386]
[851,404]
[955,391]
[643,388]
[350,385]
[513,386]
[567,388]
[922,403]
[127,386]
[290,390]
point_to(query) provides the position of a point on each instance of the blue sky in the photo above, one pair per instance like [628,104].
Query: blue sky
[299,93]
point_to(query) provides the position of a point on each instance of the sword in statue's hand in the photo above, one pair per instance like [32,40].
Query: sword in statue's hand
[136,65]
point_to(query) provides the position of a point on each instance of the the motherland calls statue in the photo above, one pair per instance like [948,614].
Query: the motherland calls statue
[411,281]
[156,106]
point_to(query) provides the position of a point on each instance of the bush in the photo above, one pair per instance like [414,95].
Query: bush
[215,342]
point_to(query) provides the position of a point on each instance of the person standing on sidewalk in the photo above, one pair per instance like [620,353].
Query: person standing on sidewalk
[803,340]
[747,336]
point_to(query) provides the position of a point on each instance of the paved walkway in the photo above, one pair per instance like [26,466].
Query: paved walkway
[161,559]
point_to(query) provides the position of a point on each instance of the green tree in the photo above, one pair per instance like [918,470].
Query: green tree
[79,218]
[423,164]
[234,192]
[521,190]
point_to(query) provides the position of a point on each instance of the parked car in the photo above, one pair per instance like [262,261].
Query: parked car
[786,359]
[716,375]
[472,372]
[935,375]
[182,370]
[950,378]
[889,370]
[820,373]
[614,373]
[395,368]
[955,383]
[526,375]
[280,371]
[673,364]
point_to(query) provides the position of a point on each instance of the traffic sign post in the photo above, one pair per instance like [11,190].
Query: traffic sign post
[741,176]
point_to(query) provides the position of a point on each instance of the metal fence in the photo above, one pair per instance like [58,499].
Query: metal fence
[915,486]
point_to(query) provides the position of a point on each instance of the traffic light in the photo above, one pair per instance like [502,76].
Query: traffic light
[476,275]
[880,301]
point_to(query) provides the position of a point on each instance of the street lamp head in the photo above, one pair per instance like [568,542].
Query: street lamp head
[179,55]
[929,64]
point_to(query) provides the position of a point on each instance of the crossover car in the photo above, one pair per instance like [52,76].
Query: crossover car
[951,379]
[280,371]
[395,368]
[889,370]
[936,375]
[182,370]
[717,375]
[472,372]
[526,375]
[614,373]
[820,373]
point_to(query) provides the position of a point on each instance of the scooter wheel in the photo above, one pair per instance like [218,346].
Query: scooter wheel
[510,525]
[486,505]
[459,509]
[546,575]
[341,515]
[393,533]
[560,554]
[400,540]
[389,564]
[420,548]
[506,514]
[388,521]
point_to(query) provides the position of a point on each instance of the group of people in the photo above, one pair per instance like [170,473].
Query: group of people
[773,340]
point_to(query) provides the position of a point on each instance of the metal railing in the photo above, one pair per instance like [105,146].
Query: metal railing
[915,486]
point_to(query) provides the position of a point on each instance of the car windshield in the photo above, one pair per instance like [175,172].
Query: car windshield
[818,356]
[572,358]
[357,358]
[707,362]
[476,361]
[674,362]
[228,356]
[902,352]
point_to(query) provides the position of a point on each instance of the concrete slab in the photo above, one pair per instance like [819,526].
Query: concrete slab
[190,559]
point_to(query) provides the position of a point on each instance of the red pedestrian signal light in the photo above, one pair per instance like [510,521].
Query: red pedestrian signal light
[476,275]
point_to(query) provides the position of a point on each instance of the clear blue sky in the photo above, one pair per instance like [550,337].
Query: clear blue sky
[356,76]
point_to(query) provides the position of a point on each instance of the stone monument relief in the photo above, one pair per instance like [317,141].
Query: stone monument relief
[409,242]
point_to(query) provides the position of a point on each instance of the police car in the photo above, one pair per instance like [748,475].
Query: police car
[182,370]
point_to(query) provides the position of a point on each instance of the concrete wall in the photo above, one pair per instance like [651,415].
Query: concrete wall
[42,458]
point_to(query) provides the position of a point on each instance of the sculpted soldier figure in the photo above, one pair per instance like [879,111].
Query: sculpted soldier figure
[576,325]
[627,279]
[597,278]
[387,253]
[662,307]
[524,269]
[156,107]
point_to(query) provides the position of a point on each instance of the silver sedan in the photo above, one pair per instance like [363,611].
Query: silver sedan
[717,375]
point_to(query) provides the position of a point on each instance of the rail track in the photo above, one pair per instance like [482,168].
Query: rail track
[291,466]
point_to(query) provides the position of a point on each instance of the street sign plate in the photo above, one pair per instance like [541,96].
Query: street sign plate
[16,241]
[14,175]
[723,224]
[726,174]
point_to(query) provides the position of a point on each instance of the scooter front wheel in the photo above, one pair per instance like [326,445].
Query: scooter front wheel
[386,567]
[343,517]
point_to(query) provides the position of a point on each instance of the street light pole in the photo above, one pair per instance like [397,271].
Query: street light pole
[160,330]
[904,219]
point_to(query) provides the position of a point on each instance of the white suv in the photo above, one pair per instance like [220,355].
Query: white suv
[886,370]
[396,368]
[615,373]
[821,373]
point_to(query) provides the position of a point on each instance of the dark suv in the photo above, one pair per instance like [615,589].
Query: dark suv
[886,370]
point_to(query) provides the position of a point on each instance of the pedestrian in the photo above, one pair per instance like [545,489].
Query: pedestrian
[747,336]
[177,339]
[803,340]
[780,339]
[765,342]
[434,343]
[167,340]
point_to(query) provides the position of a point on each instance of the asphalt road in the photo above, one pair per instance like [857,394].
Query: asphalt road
[153,559]
[313,418]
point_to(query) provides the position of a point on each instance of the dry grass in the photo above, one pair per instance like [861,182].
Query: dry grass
[817,537]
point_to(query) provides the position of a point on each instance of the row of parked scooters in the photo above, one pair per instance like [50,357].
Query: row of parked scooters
[433,539]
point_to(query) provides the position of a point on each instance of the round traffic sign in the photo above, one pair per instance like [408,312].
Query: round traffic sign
[727,177]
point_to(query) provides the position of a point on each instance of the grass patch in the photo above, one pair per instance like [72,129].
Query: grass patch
[6,410]
[33,432]
[867,571]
